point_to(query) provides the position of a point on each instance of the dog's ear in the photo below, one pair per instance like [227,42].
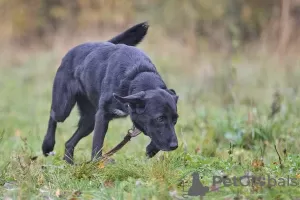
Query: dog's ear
[134,98]
[135,101]
[172,92]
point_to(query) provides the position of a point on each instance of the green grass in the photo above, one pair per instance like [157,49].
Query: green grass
[223,129]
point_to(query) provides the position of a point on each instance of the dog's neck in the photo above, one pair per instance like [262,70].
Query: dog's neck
[147,81]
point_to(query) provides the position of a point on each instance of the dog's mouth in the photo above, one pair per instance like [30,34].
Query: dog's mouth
[161,147]
[158,144]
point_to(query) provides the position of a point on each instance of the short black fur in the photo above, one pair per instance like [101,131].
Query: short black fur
[110,80]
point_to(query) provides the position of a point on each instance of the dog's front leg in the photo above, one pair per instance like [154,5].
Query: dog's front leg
[101,125]
[151,150]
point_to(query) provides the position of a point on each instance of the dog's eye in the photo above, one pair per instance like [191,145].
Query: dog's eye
[160,119]
[174,120]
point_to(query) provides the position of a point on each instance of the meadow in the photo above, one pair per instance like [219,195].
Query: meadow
[238,115]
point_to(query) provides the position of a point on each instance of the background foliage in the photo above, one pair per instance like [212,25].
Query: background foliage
[229,23]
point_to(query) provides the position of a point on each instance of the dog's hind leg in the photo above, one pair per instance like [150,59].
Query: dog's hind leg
[85,127]
[63,101]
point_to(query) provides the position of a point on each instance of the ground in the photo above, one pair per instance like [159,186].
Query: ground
[224,130]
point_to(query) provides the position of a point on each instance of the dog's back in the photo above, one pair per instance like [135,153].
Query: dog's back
[90,66]
[75,56]
[107,68]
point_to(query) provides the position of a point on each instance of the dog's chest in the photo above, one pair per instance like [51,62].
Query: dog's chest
[119,111]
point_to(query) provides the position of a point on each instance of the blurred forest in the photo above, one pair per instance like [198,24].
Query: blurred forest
[229,24]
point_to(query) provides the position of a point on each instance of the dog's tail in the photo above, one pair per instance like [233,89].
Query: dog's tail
[132,36]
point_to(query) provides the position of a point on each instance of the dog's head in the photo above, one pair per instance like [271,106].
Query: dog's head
[154,112]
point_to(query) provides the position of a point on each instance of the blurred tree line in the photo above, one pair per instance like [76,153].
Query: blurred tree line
[221,22]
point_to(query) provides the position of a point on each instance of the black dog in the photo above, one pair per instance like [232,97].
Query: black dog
[110,80]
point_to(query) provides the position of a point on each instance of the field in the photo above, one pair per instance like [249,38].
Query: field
[226,128]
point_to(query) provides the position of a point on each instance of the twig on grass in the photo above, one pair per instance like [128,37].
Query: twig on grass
[280,160]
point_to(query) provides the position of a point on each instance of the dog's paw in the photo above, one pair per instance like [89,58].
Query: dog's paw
[68,160]
[52,153]
[47,147]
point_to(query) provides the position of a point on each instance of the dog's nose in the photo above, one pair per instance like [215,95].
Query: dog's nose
[173,146]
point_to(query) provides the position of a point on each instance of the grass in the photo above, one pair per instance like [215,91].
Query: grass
[223,130]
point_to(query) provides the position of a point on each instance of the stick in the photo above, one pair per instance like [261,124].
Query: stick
[278,156]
